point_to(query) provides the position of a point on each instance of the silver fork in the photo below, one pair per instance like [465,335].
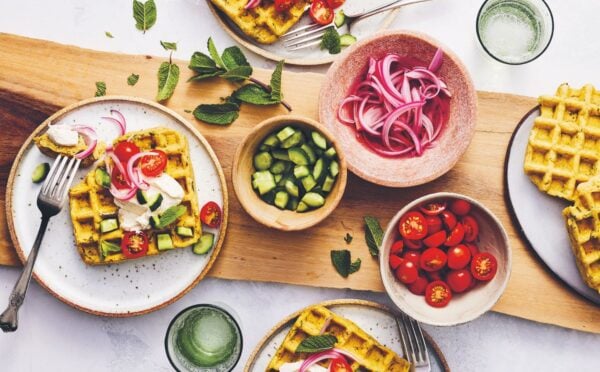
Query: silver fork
[310,35]
[413,343]
[50,201]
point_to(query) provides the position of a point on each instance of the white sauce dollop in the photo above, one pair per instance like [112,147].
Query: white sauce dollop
[63,135]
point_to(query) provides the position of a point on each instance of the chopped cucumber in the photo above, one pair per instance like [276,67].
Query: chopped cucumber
[319,170]
[340,19]
[263,161]
[301,171]
[292,203]
[347,40]
[155,202]
[292,188]
[312,199]
[312,157]
[107,248]
[302,207]
[334,169]
[328,184]
[109,225]
[206,242]
[141,197]
[278,178]
[40,172]
[281,199]
[271,141]
[102,177]
[330,153]
[285,133]
[319,140]
[308,183]
[154,221]
[278,167]
[164,242]
[184,231]
[298,156]
[295,139]
[280,154]
[265,182]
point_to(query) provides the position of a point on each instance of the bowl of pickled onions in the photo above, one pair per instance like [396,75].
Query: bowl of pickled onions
[402,107]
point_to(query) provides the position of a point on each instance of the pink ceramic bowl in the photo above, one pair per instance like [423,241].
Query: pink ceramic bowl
[452,141]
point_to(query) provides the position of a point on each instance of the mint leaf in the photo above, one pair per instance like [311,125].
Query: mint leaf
[219,114]
[355,266]
[276,94]
[171,215]
[100,89]
[315,344]
[331,41]
[144,14]
[234,57]
[204,76]
[133,79]
[109,35]
[212,49]
[201,63]
[168,45]
[373,235]
[341,262]
[239,73]
[107,248]
[168,77]
[348,238]
[254,94]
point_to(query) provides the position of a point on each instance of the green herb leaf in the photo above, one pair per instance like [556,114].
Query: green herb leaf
[133,79]
[171,215]
[220,114]
[168,77]
[341,262]
[276,94]
[109,35]
[315,344]
[203,64]
[100,89]
[212,49]
[234,57]
[331,41]
[144,14]
[355,266]
[254,94]
[168,45]
[373,235]
[239,73]
[106,248]
[348,238]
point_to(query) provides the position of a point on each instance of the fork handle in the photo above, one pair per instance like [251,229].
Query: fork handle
[392,6]
[9,318]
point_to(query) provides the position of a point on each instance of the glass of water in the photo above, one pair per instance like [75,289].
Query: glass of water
[515,31]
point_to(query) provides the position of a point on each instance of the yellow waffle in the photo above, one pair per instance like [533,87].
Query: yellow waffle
[583,225]
[51,149]
[369,354]
[90,202]
[564,144]
[263,23]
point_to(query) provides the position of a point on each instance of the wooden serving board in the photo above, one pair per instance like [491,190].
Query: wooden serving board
[39,77]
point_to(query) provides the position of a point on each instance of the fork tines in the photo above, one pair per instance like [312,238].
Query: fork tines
[304,36]
[59,178]
[412,341]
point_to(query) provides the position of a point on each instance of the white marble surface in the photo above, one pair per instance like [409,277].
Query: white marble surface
[55,337]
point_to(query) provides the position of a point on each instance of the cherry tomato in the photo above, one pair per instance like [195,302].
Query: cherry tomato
[460,207]
[153,165]
[413,244]
[434,224]
[134,244]
[335,3]
[283,5]
[397,247]
[471,228]
[413,226]
[436,239]
[438,294]
[484,266]
[434,275]
[125,150]
[459,257]
[473,248]
[340,364]
[412,256]
[459,280]
[210,214]
[395,261]
[456,235]
[119,180]
[433,259]
[407,272]
[418,286]
[433,209]
[449,219]
[321,12]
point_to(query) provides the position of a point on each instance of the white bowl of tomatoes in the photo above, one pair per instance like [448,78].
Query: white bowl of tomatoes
[445,259]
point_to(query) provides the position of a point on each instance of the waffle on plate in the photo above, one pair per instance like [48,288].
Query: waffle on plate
[369,355]
[91,203]
[263,23]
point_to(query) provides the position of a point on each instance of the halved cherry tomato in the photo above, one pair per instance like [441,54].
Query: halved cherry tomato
[432,259]
[418,286]
[155,164]
[433,209]
[134,244]
[456,235]
[335,3]
[449,219]
[119,180]
[471,228]
[407,272]
[460,207]
[340,365]
[436,239]
[125,150]
[434,224]
[397,247]
[412,256]
[459,257]
[413,244]
[283,5]
[473,248]
[395,261]
[438,294]
[413,226]
[321,12]
[484,266]
[210,214]
[459,280]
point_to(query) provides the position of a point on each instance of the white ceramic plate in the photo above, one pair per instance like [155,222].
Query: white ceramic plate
[129,288]
[539,216]
[373,318]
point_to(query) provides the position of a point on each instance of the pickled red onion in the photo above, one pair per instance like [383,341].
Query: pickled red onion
[329,354]
[91,140]
[252,4]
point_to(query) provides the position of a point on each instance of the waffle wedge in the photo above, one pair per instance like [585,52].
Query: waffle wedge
[583,225]
[564,145]
[263,23]
[369,354]
[90,203]
[49,148]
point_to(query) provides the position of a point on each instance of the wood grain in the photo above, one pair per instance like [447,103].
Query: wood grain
[37,77]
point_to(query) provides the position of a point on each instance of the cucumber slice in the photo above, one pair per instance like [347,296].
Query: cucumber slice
[312,157]
[308,183]
[319,170]
[328,184]
[302,207]
[312,199]
[205,243]
[184,231]
[102,177]
[141,197]
[340,19]
[319,140]
[265,182]
[298,156]
[164,242]
[40,172]
[347,40]
[330,153]
[295,139]
[301,171]
[109,225]
[108,248]
[278,167]
[263,161]
[285,133]
[292,204]
[271,141]
[278,178]
[281,199]
[280,154]
[154,221]
[155,202]
[334,169]
[292,188]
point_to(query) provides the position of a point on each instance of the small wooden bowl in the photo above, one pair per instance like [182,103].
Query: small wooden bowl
[270,215]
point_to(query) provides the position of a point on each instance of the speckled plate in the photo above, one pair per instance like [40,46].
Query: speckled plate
[376,319]
[539,216]
[130,288]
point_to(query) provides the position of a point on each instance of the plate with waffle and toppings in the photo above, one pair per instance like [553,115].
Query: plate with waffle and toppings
[146,215]
[552,176]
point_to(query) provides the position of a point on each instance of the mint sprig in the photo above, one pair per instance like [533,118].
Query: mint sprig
[315,344]
[373,235]
[168,77]
[167,45]
[343,264]
[219,114]
[144,14]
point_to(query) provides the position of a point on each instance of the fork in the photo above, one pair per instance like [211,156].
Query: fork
[413,343]
[311,34]
[50,201]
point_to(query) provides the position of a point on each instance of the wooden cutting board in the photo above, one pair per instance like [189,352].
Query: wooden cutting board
[39,77]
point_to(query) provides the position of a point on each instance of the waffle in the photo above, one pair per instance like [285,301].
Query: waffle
[369,354]
[583,225]
[263,23]
[564,147]
[90,202]
[51,149]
